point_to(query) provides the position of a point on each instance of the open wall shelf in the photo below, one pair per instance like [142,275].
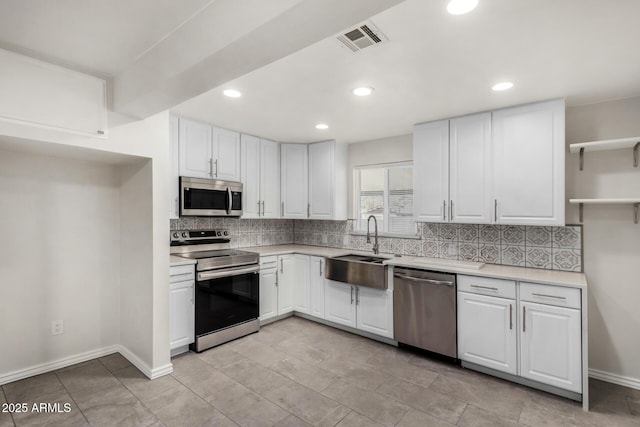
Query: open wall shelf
[607,144]
[634,202]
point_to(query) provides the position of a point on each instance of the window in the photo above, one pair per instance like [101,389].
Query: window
[386,192]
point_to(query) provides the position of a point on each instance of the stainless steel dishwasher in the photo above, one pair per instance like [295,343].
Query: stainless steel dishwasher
[424,310]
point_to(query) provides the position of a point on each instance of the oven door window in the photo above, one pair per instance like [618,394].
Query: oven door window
[226,301]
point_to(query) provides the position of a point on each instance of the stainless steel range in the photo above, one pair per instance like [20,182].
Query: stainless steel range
[227,286]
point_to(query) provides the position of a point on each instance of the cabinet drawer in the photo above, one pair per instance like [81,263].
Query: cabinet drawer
[551,295]
[487,286]
[181,273]
[268,262]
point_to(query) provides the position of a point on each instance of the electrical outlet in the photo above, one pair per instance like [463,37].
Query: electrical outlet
[57,327]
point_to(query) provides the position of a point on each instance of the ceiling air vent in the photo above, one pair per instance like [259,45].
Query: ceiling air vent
[361,37]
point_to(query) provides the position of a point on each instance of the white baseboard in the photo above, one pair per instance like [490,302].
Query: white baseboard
[57,364]
[152,374]
[615,378]
[83,357]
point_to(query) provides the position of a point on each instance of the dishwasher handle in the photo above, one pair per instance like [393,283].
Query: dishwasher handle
[418,279]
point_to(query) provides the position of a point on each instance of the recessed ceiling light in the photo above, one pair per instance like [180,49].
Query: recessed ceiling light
[232,93]
[322,126]
[502,86]
[362,91]
[460,7]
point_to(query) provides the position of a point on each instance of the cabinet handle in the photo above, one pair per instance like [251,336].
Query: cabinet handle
[263,208]
[549,296]
[258,207]
[495,210]
[444,210]
[282,209]
[357,295]
[211,167]
[270,262]
[276,278]
[308,210]
[484,287]
[352,295]
[450,210]
[524,318]
[216,162]
[320,268]
[510,317]
[281,266]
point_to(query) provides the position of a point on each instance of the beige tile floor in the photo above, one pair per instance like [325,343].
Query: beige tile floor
[298,373]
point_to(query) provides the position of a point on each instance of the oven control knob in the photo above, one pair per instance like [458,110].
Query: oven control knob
[219,233]
[184,234]
[226,233]
[176,235]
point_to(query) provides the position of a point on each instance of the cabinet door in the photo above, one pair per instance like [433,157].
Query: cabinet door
[339,303]
[268,294]
[470,169]
[301,285]
[487,331]
[431,171]
[375,311]
[550,345]
[195,149]
[181,314]
[316,276]
[226,154]
[286,277]
[250,177]
[174,186]
[270,178]
[528,161]
[294,180]
[321,180]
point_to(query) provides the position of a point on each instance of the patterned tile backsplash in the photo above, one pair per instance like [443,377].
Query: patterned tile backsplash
[551,248]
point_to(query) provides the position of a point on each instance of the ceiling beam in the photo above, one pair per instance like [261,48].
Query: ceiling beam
[183,65]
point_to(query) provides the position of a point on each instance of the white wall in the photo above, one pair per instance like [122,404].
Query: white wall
[611,240]
[378,151]
[59,258]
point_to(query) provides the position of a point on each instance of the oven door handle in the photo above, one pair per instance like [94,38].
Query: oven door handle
[229,201]
[216,274]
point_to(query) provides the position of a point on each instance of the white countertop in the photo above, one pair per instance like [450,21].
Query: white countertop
[535,275]
[175,261]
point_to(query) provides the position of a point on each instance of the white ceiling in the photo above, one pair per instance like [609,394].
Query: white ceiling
[161,52]
[99,36]
[436,65]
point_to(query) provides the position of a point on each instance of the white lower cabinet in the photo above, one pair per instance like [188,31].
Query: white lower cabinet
[268,293]
[367,309]
[301,285]
[181,306]
[537,335]
[550,345]
[374,311]
[316,286]
[487,333]
[339,303]
[277,276]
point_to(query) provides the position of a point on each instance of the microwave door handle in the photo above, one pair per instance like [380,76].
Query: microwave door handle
[229,201]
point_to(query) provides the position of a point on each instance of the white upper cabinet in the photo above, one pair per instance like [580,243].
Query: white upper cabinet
[270,178]
[470,169]
[226,154]
[327,180]
[40,94]
[294,175]
[431,171]
[195,149]
[208,152]
[528,164]
[250,176]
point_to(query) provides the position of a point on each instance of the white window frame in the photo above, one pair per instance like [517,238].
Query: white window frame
[361,224]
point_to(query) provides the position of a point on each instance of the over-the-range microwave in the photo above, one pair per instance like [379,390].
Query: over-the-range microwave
[210,197]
